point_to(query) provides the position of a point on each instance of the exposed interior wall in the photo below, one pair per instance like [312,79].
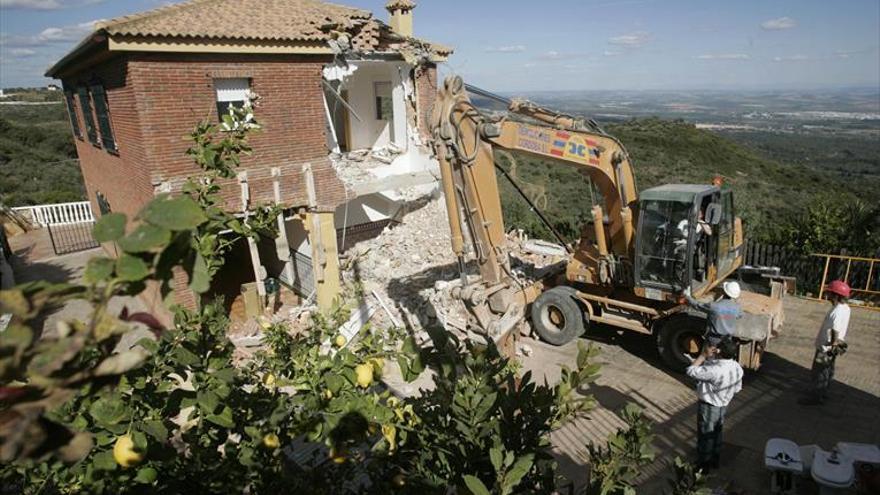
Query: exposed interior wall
[363,82]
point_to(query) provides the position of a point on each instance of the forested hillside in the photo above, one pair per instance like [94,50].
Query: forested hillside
[37,155]
[770,195]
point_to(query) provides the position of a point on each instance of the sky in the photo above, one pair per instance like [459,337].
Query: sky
[555,45]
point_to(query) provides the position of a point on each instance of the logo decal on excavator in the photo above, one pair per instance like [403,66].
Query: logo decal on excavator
[574,147]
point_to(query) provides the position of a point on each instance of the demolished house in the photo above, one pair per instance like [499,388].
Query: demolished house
[344,106]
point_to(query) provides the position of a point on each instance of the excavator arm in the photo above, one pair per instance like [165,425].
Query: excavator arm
[465,141]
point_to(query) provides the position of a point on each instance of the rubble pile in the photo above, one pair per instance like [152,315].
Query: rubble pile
[356,167]
[409,269]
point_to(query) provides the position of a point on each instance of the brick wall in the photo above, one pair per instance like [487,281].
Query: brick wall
[426,89]
[174,91]
[122,177]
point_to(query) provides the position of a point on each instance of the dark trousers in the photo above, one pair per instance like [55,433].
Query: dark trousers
[823,374]
[710,422]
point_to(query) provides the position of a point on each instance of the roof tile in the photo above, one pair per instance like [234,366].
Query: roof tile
[265,20]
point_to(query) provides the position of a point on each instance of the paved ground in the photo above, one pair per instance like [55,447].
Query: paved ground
[767,407]
[34,259]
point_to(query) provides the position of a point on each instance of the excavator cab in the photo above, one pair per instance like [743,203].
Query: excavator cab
[685,239]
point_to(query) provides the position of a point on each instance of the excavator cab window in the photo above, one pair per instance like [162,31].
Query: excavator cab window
[663,254]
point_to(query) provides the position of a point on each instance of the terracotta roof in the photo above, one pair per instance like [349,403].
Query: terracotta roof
[265,20]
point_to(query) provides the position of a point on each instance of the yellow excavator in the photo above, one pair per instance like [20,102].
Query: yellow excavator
[628,269]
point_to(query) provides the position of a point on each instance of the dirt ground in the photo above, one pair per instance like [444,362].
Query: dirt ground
[766,407]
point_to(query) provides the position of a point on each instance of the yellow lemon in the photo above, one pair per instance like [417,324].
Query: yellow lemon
[271,441]
[338,457]
[124,452]
[364,374]
[269,380]
[399,480]
[340,341]
[390,434]
[327,394]
[266,324]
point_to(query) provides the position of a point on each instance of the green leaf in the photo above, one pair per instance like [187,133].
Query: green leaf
[139,440]
[520,468]
[122,362]
[104,461]
[131,268]
[179,213]
[496,458]
[223,419]
[475,485]
[405,372]
[17,336]
[108,411]
[200,279]
[109,227]
[208,401]
[144,238]
[156,429]
[146,475]
[335,382]
[185,357]
[98,269]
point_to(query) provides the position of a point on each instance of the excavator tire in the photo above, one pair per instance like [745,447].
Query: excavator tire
[557,316]
[680,336]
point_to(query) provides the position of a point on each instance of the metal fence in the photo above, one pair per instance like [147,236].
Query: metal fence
[71,238]
[813,272]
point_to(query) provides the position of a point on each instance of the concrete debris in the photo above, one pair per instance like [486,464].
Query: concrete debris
[411,268]
[537,246]
[359,166]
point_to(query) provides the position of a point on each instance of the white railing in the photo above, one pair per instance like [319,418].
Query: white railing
[57,214]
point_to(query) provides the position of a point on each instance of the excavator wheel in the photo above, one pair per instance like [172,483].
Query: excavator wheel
[557,316]
[678,338]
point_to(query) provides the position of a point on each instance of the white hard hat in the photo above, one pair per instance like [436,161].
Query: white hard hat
[732,289]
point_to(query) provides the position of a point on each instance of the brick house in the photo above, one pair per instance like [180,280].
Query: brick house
[334,82]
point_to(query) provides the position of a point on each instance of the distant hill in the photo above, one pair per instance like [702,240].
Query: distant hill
[37,156]
[767,192]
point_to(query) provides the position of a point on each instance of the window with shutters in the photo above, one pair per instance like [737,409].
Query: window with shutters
[231,92]
[102,111]
[85,104]
[71,111]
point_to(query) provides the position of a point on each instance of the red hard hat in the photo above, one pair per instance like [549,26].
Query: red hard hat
[838,287]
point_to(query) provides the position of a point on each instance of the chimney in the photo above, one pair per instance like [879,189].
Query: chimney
[401,16]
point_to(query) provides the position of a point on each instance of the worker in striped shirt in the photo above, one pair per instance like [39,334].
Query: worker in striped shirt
[719,378]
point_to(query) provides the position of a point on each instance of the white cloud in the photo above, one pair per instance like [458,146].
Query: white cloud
[64,34]
[506,49]
[610,53]
[30,4]
[779,23]
[791,58]
[724,56]
[22,52]
[630,40]
[46,4]
[551,55]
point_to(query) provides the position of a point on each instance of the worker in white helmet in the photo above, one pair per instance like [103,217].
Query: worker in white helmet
[721,315]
